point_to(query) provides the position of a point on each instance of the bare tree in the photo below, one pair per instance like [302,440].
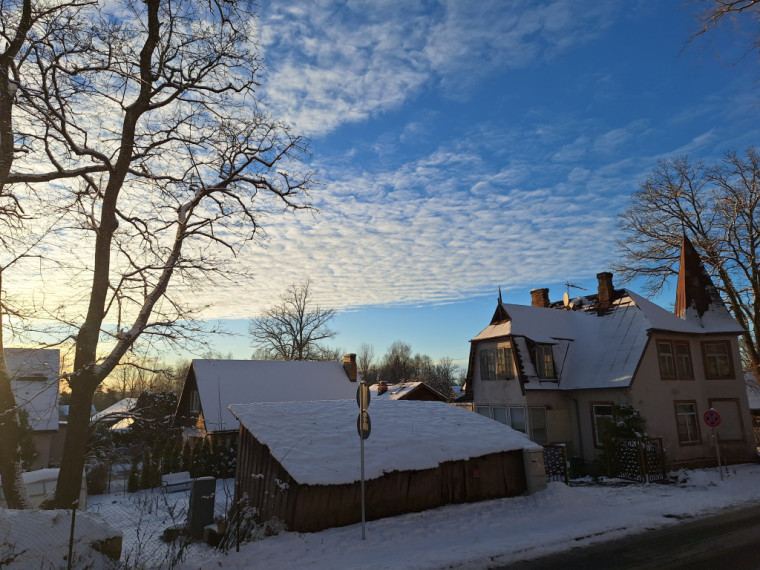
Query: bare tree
[293,329]
[722,9]
[718,208]
[146,117]
[364,360]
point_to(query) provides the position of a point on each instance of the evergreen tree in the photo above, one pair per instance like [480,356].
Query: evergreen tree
[187,456]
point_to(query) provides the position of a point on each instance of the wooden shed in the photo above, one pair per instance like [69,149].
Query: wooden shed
[299,462]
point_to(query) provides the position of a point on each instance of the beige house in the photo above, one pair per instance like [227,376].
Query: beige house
[558,371]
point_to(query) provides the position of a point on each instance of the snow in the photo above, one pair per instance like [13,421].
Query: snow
[504,531]
[477,535]
[40,539]
[224,382]
[393,391]
[597,351]
[121,407]
[318,443]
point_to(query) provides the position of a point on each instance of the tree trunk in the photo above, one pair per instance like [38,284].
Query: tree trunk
[75,446]
[10,453]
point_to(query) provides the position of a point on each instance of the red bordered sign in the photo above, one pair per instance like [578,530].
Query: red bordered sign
[712,418]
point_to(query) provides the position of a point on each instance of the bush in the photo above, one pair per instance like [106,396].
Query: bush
[97,478]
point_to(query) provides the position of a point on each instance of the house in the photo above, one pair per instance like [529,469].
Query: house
[405,391]
[118,416]
[34,381]
[212,385]
[300,461]
[560,371]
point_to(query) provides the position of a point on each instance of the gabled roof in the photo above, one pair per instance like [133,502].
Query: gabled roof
[593,349]
[224,382]
[317,442]
[34,381]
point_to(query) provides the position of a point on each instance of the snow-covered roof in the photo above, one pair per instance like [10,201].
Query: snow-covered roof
[224,382]
[596,349]
[318,444]
[121,407]
[34,380]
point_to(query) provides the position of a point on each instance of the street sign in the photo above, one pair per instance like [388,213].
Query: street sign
[362,396]
[363,425]
[712,418]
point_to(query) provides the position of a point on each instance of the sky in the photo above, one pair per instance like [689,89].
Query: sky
[465,148]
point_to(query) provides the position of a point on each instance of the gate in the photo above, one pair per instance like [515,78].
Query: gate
[641,460]
[555,463]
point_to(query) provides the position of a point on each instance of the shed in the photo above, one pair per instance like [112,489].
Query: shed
[299,462]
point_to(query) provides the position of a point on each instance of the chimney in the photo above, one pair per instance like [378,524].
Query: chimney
[605,287]
[539,297]
[382,388]
[349,365]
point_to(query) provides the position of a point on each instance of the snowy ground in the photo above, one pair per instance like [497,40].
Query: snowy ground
[459,536]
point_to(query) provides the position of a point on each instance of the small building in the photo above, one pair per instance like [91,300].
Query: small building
[212,385]
[300,461]
[419,391]
[34,381]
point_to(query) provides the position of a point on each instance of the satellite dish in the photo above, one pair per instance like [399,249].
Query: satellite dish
[566,299]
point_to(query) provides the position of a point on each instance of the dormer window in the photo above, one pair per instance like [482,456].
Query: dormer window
[545,361]
[497,363]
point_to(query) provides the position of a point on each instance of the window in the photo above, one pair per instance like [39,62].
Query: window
[717,360]
[603,419]
[35,378]
[500,414]
[544,361]
[484,410]
[665,352]
[683,360]
[538,432]
[505,363]
[487,364]
[686,421]
[675,360]
[517,418]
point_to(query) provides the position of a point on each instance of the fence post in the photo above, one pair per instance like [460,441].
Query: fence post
[71,536]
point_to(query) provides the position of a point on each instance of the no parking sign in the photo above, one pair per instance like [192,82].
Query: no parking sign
[712,418]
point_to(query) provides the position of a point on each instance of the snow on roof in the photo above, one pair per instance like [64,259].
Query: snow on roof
[225,382]
[318,443]
[121,407]
[393,391]
[594,350]
[34,381]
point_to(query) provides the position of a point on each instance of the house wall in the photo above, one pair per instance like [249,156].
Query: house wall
[656,399]
[494,392]
[263,483]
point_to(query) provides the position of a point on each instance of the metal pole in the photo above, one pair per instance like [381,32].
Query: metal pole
[363,512]
[717,451]
[71,536]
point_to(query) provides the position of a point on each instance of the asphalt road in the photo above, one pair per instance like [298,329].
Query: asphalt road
[730,540]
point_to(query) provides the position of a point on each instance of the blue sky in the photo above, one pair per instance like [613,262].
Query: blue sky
[464,147]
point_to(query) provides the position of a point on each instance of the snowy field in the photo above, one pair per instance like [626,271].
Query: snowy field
[459,536]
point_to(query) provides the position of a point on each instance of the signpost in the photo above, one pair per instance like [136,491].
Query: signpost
[363,426]
[712,419]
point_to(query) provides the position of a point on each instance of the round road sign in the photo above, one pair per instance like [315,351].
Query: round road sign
[712,418]
[363,425]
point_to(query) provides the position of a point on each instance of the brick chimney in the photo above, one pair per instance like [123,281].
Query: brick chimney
[606,289]
[539,297]
[382,388]
[349,365]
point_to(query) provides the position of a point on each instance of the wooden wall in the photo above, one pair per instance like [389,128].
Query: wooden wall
[264,484]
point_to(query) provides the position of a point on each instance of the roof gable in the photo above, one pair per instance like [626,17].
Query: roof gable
[224,382]
[38,396]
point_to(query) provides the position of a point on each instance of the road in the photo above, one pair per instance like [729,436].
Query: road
[728,540]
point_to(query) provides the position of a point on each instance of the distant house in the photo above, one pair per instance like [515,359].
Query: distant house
[212,385]
[559,371]
[299,461]
[405,391]
[118,416]
[34,380]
